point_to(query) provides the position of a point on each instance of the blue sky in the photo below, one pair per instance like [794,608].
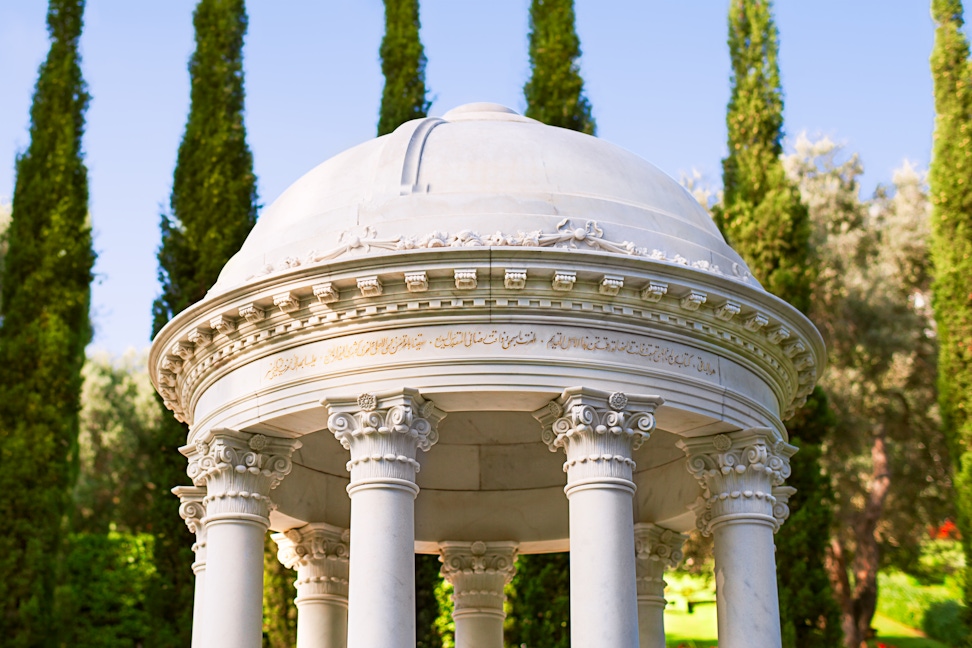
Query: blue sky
[656,72]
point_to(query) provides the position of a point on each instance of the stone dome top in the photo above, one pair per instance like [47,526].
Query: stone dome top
[481,175]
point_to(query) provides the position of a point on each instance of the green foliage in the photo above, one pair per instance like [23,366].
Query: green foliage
[427,608]
[403,64]
[445,625]
[119,419]
[104,603]
[555,91]
[279,591]
[761,216]
[951,197]
[213,206]
[933,608]
[945,621]
[540,602]
[886,458]
[808,612]
[46,292]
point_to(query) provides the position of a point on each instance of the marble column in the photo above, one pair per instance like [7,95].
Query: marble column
[742,506]
[599,432]
[192,509]
[656,549]
[384,432]
[319,553]
[478,572]
[239,470]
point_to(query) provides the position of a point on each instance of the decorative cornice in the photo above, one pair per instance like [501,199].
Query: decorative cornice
[598,431]
[192,509]
[478,572]
[656,549]
[319,553]
[383,433]
[569,236]
[239,470]
[741,475]
[204,342]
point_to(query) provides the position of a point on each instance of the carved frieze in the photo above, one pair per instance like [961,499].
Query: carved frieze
[568,235]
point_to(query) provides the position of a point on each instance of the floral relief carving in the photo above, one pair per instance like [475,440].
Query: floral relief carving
[568,235]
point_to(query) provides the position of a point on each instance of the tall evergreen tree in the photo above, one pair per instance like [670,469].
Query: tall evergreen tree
[46,293]
[555,91]
[950,180]
[764,219]
[540,601]
[403,64]
[212,208]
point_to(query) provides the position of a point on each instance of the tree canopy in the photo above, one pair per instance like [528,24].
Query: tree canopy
[47,274]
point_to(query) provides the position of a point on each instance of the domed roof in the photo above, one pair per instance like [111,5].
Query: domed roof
[482,175]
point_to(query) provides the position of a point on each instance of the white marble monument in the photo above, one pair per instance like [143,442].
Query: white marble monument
[480,336]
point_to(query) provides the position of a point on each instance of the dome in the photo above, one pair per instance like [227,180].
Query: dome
[481,175]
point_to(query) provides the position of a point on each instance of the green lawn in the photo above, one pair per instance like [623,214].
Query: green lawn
[698,630]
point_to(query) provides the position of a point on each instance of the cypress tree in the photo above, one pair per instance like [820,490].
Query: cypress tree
[555,91]
[403,64]
[540,598]
[46,293]
[212,208]
[764,219]
[950,178]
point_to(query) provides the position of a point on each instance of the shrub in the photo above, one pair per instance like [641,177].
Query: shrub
[103,601]
[944,621]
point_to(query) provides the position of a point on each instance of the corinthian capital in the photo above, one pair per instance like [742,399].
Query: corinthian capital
[192,509]
[384,433]
[741,475]
[478,572]
[319,553]
[656,549]
[238,470]
[598,431]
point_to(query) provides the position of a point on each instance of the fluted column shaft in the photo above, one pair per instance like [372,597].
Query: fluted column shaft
[238,470]
[192,509]
[319,553]
[656,549]
[384,433]
[599,432]
[478,572]
[743,504]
